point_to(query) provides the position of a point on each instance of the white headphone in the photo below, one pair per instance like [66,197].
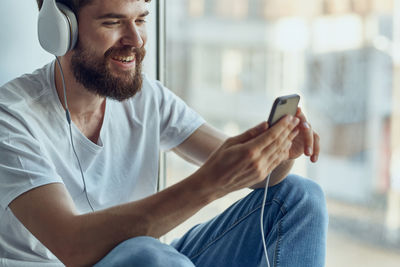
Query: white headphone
[57,28]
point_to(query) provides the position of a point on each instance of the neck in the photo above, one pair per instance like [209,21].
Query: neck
[80,101]
[86,109]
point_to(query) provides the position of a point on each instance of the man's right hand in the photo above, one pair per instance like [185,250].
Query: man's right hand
[246,159]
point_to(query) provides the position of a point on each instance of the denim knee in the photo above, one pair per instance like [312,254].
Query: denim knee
[145,251]
[307,196]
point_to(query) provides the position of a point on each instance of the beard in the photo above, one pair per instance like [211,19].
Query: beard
[95,75]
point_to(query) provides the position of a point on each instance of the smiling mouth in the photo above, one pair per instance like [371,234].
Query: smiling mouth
[128,59]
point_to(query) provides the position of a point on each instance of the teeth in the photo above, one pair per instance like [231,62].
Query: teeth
[124,59]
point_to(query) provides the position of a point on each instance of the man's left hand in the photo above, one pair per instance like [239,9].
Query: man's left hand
[306,142]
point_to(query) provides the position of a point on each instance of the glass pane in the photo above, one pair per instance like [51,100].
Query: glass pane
[230,59]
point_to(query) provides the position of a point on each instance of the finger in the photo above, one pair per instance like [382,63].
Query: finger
[314,157]
[274,160]
[281,130]
[298,111]
[277,148]
[303,120]
[308,139]
[257,172]
[304,125]
[302,117]
[293,134]
[308,133]
[249,134]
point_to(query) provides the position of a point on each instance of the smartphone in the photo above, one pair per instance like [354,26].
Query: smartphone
[283,105]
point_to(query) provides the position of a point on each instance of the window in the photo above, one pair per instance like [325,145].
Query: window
[237,9]
[230,60]
[196,8]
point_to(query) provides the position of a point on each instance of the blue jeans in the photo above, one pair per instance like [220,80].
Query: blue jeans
[295,227]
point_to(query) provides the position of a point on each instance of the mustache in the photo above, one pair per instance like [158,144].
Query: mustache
[139,53]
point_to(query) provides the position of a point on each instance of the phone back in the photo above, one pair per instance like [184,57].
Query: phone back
[283,105]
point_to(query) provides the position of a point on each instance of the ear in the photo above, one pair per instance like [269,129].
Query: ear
[57,28]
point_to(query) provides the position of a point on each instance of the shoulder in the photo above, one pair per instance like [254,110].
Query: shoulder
[26,87]
[152,86]
[152,91]
[25,99]
[158,90]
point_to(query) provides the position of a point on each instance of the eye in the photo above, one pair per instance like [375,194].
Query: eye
[111,23]
[141,21]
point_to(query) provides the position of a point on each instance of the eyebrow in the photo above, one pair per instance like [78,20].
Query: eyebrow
[119,16]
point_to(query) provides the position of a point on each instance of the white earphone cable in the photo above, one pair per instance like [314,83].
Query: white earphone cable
[262,220]
[68,115]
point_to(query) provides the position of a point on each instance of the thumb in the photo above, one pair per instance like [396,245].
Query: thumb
[250,134]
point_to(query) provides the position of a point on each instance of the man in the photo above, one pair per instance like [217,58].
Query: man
[111,215]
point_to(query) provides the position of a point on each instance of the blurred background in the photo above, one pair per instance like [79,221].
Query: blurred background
[229,59]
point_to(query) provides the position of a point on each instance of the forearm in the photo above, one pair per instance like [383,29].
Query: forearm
[153,216]
[277,175]
[81,240]
[200,145]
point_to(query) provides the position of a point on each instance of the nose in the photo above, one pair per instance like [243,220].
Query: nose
[132,36]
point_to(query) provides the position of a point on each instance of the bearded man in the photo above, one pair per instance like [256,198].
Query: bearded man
[82,190]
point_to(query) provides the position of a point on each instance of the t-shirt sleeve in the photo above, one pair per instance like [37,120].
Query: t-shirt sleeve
[23,165]
[178,120]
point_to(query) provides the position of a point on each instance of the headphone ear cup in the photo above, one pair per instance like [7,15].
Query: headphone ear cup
[57,28]
[73,24]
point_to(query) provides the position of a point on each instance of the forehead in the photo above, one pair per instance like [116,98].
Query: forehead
[127,7]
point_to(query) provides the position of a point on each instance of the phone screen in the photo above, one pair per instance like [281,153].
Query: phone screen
[283,105]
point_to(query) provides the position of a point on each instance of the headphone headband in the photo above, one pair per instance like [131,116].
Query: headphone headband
[57,28]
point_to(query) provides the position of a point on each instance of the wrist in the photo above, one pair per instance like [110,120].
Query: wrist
[206,186]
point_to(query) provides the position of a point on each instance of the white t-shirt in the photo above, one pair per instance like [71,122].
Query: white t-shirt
[35,150]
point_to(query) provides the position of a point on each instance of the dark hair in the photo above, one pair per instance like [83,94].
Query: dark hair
[75,5]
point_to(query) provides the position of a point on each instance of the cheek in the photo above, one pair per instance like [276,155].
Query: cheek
[97,39]
[100,41]
[106,39]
